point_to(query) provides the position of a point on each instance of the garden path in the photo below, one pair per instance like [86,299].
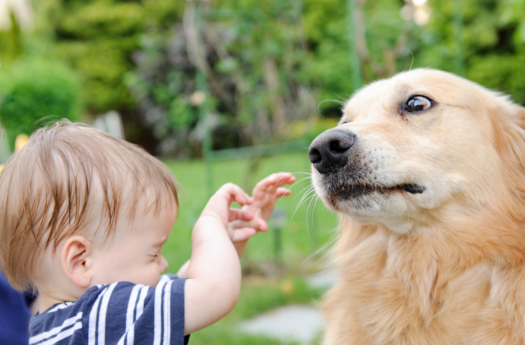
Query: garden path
[294,323]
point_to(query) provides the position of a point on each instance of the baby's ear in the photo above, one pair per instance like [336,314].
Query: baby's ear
[75,257]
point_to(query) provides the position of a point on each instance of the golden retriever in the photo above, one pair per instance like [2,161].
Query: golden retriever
[427,172]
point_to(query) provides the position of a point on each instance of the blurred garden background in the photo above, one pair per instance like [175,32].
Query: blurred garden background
[233,90]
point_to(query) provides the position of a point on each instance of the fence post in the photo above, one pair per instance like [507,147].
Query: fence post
[354,56]
[459,61]
[277,222]
[202,86]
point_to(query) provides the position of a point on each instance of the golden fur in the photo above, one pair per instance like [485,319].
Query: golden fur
[446,266]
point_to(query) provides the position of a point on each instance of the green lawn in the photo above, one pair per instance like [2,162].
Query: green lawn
[308,230]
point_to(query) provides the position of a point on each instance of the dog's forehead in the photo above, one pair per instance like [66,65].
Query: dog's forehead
[438,85]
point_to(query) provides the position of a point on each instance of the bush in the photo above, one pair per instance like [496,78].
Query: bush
[34,89]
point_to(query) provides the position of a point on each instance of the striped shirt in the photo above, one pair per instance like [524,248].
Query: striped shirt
[122,313]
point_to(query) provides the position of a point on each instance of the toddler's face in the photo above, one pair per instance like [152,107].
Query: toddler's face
[134,253]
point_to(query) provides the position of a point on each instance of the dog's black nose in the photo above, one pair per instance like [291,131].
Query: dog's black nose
[329,151]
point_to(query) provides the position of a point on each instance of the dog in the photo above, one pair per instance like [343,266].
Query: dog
[427,172]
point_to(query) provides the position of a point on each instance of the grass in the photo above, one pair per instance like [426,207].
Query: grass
[309,227]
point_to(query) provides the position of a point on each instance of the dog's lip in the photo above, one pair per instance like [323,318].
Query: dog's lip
[409,187]
[412,188]
[356,190]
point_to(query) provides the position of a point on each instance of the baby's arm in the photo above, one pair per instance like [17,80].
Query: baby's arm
[214,270]
[239,231]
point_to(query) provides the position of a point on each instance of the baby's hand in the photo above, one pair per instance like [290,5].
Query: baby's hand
[238,222]
[218,207]
[265,194]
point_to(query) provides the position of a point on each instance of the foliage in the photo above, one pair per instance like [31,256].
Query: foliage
[267,63]
[97,38]
[10,42]
[34,89]
[251,57]
[389,41]
[494,39]
[492,35]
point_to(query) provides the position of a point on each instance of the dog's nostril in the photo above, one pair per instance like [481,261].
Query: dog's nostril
[337,146]
[315,156]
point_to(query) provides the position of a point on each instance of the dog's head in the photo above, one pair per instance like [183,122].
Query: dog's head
[424,142]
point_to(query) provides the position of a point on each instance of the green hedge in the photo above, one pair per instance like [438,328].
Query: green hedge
[31,90]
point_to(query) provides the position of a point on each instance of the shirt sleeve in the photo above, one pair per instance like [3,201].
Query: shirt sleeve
[125,313]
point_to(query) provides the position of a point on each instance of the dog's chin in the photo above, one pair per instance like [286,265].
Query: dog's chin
[388,207]
[367,203]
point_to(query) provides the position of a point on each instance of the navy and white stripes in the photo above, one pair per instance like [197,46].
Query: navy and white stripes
[135,309]
[121,314]
[62,331]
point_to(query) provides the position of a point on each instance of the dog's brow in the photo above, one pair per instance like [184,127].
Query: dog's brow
[346,115]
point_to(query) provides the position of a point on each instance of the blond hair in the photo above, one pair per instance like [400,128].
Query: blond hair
[68,178]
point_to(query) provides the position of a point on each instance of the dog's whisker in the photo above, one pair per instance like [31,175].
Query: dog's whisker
[342,98]
[301,172]
[316,199]
[310,213]
[328,100]
[304,197]
[306,190]
[412,62]
[310,192]
[307,212]
[304,178]
[312,198]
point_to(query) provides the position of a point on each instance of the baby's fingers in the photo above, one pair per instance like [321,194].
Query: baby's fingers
[243,234]
[282,192]
[257,224]
[239,214]
[234,193]
[274,181]
[283,178]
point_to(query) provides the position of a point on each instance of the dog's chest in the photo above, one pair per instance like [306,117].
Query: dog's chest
[412,299]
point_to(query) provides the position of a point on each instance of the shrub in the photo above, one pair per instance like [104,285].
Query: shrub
[31,90]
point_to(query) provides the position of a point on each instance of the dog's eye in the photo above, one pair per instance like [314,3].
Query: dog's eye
[417,103]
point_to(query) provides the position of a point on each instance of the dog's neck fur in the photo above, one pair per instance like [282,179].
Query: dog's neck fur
[415,260]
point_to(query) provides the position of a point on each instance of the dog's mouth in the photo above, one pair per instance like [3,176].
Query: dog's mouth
[352,191]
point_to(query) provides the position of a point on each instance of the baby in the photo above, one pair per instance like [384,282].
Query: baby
[83,218]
